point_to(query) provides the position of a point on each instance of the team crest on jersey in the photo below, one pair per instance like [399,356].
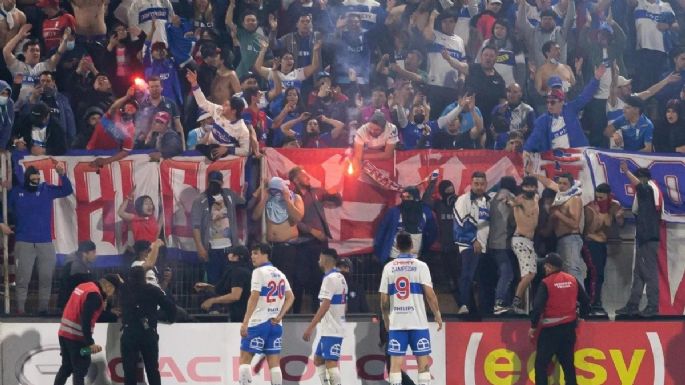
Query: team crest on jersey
[277,343]
[335,350]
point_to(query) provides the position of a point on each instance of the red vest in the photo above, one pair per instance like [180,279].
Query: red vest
[562,295]
[70,326]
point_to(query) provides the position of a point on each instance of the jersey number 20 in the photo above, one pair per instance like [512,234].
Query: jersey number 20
[275,290]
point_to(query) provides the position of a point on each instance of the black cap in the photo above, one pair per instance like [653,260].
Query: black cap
[113,279]
[40,110]
[86,246]
[555,260]
[141,246]
[215,176]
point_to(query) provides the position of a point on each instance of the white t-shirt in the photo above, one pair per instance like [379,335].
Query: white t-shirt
[403,280]
[224,132]
[292,79]
[646,16]
[334,288]
[31,75]
[39,136]
[141,12]
[271,284]
[389,135]
[559,133]
[439,70]
[604,88]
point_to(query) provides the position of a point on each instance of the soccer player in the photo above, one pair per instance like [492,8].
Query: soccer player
[270,298]
[331,314]
[404,282]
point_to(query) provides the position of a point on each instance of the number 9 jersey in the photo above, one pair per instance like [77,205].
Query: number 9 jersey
[271,285]
[403,279]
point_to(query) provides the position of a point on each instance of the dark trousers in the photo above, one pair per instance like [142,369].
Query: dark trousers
[310,273]
[646,275]
[650,64]
[288,259]
[595,121]
[73,364]
[560,341]
[136,342]
[469,266]
[451,262]
[595,256]
[505,272]
[216,265]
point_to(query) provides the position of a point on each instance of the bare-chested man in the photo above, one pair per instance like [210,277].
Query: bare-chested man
[553,67]
[90,19]
[226,82]
[600,214]
[283,209]
[565,214]
[526,211]
[11,19]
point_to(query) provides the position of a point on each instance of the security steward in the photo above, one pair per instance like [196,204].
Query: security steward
[555,311]
[83,308]
[139,301]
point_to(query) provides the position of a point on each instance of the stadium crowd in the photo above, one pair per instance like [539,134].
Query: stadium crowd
[230,77]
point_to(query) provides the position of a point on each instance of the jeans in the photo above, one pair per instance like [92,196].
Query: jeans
[451,263]
[216,264]
[569,248]
[469,265]
[505,272]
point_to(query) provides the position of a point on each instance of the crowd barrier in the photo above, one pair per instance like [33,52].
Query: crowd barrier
[488,353]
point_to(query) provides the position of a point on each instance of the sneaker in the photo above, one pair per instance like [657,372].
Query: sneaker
[629,310]
[649,311]
[500,308]
[517,306]
[463,310]
[598,311]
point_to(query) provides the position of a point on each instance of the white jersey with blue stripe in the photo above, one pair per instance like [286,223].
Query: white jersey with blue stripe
[439,70]
[403,280]
[334,288]
[271,284]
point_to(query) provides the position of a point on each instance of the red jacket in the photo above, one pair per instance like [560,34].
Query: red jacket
[71,325]
[562,296]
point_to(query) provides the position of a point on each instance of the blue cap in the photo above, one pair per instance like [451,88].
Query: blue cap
[215,176]
[554,82]
[604,26]
[322,74]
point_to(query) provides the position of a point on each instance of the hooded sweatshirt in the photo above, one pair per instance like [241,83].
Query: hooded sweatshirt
[6,116]
[32,208]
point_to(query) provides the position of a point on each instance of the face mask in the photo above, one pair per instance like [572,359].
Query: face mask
[4,100]
[529,194]
[207,127]
[553,61]
[214,189]
[419,118]
[71,44]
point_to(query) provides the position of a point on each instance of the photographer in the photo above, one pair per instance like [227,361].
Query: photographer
[139,301]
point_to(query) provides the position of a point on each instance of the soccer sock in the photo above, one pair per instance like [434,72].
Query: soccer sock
[424,378]
[245,374]
[334,376]
[395,378]
[276,376]
[321,371]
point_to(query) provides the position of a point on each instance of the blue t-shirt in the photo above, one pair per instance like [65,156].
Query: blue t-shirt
[637,136]
[411,134]
[467,122]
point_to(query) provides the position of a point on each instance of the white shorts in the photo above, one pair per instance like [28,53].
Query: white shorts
[525,253]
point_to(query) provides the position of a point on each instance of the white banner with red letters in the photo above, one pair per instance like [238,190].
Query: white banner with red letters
[91,212]
[204,353]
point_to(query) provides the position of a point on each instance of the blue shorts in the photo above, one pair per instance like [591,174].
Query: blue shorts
[263,338]
[418,340]
[329,348]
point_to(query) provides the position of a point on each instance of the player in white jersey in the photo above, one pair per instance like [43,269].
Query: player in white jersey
[404,282]
[331,314]
[270,298]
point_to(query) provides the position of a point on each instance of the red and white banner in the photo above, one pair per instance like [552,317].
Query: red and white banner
[364,201]
[91,212]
